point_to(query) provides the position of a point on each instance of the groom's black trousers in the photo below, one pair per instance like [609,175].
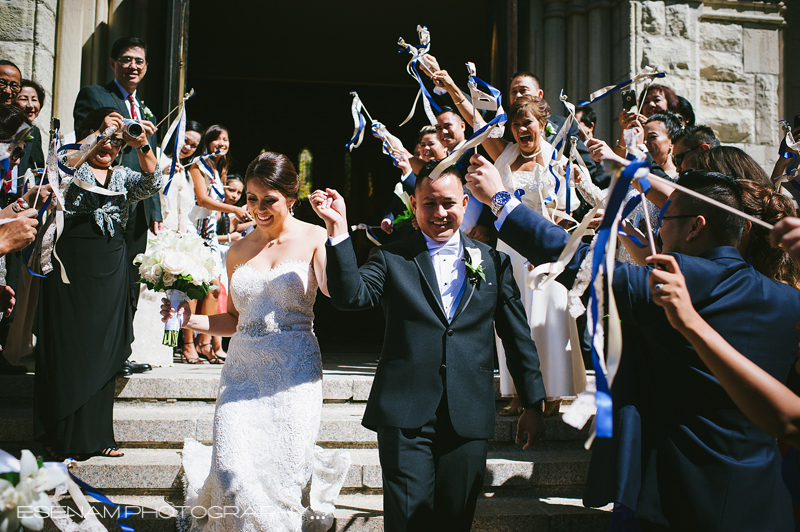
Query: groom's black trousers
[431,476]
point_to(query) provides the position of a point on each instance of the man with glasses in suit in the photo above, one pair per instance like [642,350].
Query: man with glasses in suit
[129,62]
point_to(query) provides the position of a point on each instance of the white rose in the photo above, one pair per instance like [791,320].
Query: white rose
[174,262]
[168,279]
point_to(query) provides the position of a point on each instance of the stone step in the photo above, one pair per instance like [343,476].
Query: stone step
[344,379]
[159,471]
[167,424]
[364,513]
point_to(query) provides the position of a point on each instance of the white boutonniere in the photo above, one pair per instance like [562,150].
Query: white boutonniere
[148,114]
[473,264]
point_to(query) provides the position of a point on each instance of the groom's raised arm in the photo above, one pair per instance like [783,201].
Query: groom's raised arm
[350,288]
[537,239]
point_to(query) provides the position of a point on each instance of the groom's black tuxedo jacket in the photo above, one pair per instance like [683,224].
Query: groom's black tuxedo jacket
[408,385]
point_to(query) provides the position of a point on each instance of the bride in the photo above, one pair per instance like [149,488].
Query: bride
[265,471]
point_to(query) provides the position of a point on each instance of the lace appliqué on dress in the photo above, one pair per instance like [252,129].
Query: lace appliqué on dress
[265,467]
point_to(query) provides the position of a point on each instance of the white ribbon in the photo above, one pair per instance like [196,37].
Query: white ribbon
[358,120]
[418,55]
[647,73]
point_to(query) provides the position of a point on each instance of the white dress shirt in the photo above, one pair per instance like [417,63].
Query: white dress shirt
[474,207]
[448,263]
[129,103]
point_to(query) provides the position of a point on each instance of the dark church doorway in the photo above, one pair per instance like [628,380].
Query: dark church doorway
[278,75]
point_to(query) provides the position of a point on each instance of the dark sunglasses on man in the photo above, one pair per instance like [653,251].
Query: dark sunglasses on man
[677,159]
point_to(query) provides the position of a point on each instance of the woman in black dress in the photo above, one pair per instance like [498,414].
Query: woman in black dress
[84,329]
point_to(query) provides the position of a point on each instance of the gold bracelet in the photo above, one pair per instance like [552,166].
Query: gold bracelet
[464,99]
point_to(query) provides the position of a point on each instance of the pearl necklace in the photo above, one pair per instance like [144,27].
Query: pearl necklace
[532,155]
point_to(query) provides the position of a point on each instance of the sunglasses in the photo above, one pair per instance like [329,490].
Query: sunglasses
[116,141]
[677,159]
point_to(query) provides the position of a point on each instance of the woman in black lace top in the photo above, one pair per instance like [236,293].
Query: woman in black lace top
[84,322]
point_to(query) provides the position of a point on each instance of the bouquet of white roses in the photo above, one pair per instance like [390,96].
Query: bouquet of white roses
[179,264]
[23,487]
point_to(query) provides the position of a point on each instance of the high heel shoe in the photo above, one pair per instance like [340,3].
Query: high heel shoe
[209,354]
[189,359]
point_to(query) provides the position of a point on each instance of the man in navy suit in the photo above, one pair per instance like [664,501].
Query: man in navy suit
[432,401]
[698,463]
[129,63]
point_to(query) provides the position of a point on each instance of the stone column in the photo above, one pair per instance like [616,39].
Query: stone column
[577,46]
[69,42]
[599,67]
[532,48]
[555,50]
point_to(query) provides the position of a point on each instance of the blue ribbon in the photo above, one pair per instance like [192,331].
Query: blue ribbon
[604,420]
[387,149]
[569,168]
[497,95]
[212,180]
[64,168]
[422,86]
[361,124]
[174,159]
[661,214]
[124,512]
[616,87]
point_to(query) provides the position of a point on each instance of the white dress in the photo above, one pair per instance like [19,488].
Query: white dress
[552,328]
[265,469]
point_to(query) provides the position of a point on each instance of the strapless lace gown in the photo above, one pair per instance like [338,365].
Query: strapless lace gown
[265,472]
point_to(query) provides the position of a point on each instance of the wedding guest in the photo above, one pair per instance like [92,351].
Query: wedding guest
[209,172]
[686,111]
[586,116]
[687,458]
[659,132]
[128,61]
[689,142]
[30,99]
[765,400]
[658,98]
[732,161]
[10,79]
[85,327]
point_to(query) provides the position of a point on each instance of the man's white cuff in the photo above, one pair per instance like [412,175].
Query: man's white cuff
[335,240]
[512,204]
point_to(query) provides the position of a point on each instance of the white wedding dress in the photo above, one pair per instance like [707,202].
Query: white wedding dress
[265,471]
[552,328]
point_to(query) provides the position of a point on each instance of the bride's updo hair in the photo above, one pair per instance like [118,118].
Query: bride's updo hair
[275,171]
[538,107]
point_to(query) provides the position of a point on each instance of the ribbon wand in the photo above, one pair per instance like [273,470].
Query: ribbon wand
[186,97]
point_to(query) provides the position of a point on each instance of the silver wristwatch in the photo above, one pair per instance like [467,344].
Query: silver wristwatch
[499,201]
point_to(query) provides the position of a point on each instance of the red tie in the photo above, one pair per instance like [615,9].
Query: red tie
[133,107]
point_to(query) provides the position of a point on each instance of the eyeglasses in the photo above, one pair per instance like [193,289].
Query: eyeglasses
[665,218]
[677,160]
[126,60]
[5,84]
[115,141]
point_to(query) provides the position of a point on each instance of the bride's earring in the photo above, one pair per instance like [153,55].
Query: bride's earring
[291,209]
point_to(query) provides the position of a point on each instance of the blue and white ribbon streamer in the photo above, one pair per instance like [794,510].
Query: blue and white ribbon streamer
[648,73]
[178,127]
[212,179]
[124,512]
[389,142]
[602,295]
[418,55]
[788,150]
[484,96]
[358,119]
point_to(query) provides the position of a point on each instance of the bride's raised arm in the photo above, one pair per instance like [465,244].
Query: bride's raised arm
[320,262]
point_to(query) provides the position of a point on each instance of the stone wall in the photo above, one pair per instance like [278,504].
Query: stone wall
[724,57]
[27,38]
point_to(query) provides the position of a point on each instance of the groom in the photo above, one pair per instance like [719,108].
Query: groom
[432,400]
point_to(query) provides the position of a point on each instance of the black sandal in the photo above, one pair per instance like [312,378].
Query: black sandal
[211,356]
[108,450]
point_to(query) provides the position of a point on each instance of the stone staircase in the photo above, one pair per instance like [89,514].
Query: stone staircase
[154,412]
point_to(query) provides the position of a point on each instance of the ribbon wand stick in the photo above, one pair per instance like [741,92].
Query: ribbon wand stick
[185,97]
